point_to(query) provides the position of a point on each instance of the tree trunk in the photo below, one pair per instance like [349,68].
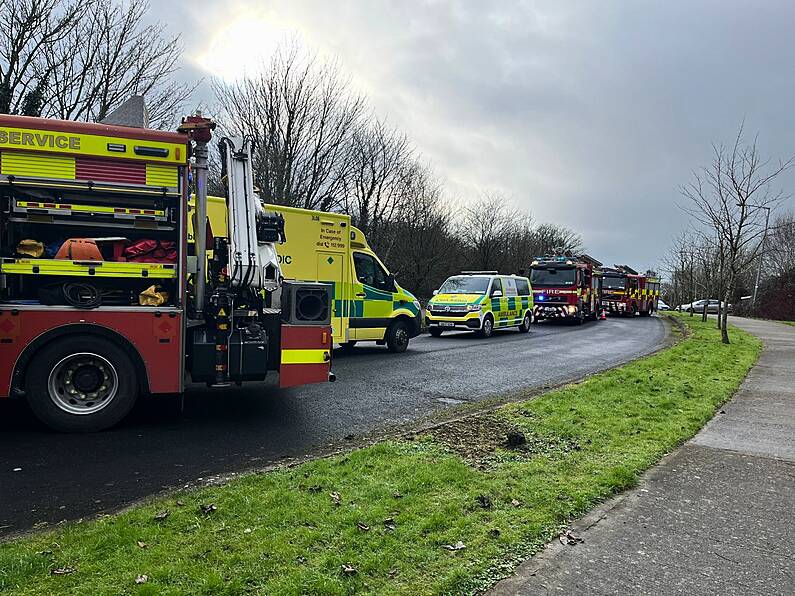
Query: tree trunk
[720,311]
[724,329]
[704,312]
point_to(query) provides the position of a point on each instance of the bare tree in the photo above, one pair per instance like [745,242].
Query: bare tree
[729,198]
[109,56]
[300,114]
[381,177]
[781,245]
[80,59]
[422,247]
[487,227]
[29,28]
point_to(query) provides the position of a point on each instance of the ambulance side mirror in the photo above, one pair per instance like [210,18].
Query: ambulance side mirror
[496,294]
[435,292]
[390,279]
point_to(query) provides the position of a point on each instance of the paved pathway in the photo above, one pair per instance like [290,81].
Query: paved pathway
[716,517]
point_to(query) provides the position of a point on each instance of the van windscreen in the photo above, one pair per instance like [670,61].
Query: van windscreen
[465,285]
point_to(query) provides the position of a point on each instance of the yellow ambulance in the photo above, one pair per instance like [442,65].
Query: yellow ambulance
[369,305]
[481,301]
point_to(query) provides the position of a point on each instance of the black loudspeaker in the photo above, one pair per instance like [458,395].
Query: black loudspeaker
[305,303]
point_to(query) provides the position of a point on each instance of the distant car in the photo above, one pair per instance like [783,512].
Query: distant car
[661,305]
[698,306]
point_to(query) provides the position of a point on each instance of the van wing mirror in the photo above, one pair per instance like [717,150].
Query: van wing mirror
[496,294]
[435,292]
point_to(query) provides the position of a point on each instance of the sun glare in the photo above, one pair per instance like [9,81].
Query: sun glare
[242,46]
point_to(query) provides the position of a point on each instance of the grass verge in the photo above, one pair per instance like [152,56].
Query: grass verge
[447,512]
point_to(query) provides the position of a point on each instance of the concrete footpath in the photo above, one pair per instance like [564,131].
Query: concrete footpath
[715,517]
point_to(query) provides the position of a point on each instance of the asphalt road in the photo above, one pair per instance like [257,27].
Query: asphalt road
[47,477]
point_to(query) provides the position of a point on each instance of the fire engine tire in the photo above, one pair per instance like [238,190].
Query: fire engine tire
[526,322]
[83,383]
[435,331]
[397,336]
[488,327]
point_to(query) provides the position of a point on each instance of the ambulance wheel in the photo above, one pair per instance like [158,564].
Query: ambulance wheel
[488,327]
[435,331]
[526,322]
[347,346]
[397,336]
[81,384]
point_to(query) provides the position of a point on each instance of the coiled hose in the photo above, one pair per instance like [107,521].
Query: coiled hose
[81,295]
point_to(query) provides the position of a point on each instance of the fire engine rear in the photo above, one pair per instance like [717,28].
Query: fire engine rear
[566,287]
[100,299]
[626,292]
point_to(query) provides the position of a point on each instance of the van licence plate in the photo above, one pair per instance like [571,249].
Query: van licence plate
[446,324]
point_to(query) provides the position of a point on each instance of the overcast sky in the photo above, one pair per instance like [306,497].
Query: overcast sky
[589,114]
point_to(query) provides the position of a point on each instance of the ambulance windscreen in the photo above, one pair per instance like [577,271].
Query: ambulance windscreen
[550,276]
[465,285]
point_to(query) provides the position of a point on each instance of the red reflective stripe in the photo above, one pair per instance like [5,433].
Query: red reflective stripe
[292,375]
[305,337]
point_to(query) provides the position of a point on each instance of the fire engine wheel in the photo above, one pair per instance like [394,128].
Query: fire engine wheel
[81,384]
[526,322]
[488,327]
[435,331]
[397,336]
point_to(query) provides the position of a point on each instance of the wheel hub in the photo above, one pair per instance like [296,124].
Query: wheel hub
[83,383]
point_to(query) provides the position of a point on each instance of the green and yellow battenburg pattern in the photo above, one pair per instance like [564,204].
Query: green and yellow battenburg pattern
[507,311]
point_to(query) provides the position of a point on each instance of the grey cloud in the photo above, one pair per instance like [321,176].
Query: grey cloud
[590,114]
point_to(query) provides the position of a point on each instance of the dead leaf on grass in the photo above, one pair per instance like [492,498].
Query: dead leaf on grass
[141,579]
[62,571]
[397,495]
[161,515]
[335,498]
[363,526]
[484,501]
[453,547]
[515,502]
[208,509]
[141,544]
[349,570]
[389,524]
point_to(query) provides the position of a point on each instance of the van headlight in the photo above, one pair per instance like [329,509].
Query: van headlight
[472,307]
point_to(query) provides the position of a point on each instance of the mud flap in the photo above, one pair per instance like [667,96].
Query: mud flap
[305,355]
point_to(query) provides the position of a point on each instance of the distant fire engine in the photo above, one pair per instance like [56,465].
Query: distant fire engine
[566,287]
[627,292]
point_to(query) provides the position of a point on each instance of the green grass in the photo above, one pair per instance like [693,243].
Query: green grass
[791,323]
[282,533]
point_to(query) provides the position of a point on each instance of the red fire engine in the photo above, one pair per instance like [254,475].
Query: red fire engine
[102,300]
[627,292]
[566,287]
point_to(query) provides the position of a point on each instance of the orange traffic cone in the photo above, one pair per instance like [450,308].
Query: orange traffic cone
[604,315]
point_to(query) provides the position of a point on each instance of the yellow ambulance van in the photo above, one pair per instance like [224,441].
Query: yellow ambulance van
[369,305]
[481,301]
